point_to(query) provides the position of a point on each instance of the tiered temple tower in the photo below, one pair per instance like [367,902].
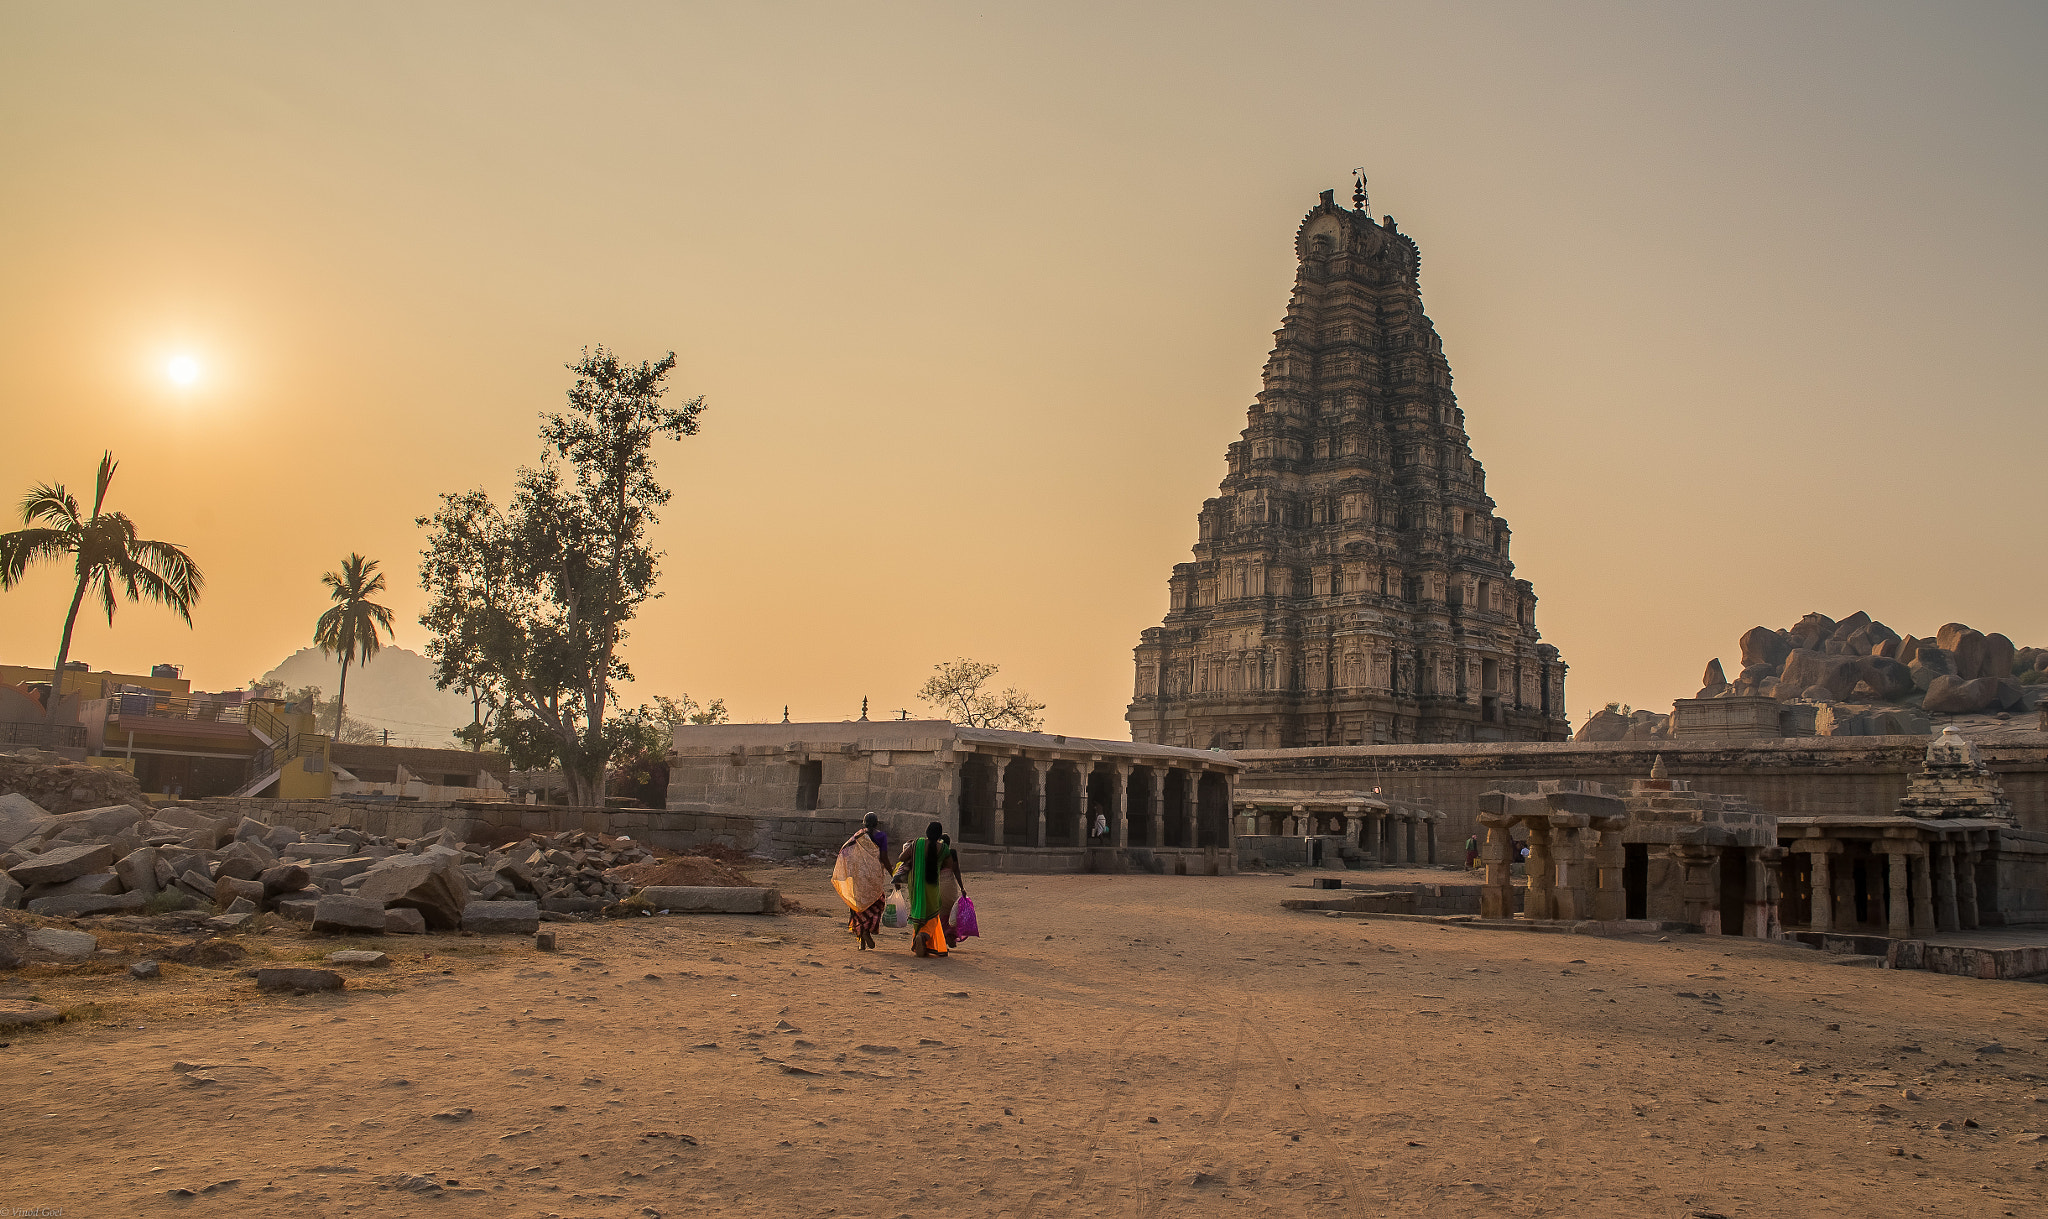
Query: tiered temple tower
[1351,584]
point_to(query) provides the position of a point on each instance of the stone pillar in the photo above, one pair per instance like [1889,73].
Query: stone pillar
[1821,915]
[1901,913]
[1496,890]
[1699,894]
[995,826]
[1353,823]
[1966,890]
[1429,828]
[1155,833]
[1044,770]
[1121,808]
[1610,899]
[1569,833]
[1946,917]
[1760,900]
[1540,899]
[1397,846]
[1298,825]
[1923,893]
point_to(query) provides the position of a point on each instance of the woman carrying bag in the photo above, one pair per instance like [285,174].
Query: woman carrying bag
[925,862]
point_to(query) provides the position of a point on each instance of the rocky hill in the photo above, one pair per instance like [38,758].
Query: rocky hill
[394,689]
[1956,671]
[1859,677]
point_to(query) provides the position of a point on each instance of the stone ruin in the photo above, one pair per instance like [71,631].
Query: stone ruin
[1662,852]
[1954,782]
[121,859]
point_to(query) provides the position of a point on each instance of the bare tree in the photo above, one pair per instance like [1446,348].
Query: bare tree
[956,690]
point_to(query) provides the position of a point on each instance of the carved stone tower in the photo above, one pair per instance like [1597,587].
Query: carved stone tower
[1350,584]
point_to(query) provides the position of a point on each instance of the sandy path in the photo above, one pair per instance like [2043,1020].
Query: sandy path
[1132,1033]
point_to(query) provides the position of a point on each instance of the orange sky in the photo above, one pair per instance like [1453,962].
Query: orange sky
[1744,305]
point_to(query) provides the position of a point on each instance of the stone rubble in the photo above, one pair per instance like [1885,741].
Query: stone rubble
[125,859]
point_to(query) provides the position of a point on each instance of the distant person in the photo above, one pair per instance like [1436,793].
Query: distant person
[924,863]
[1471,852]
[863,882]
[872,826]
[1101,829]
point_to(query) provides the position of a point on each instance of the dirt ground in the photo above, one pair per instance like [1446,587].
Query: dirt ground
[1117,1046]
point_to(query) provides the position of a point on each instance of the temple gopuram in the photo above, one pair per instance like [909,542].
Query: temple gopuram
[1351,584]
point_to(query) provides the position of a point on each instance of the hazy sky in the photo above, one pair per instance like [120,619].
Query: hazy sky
[1744,303]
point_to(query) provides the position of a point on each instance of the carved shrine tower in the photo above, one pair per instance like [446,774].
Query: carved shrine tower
[1350,584]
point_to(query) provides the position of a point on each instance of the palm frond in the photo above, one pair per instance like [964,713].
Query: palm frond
[106,479]
[49,502]
[23,547]
[180,575]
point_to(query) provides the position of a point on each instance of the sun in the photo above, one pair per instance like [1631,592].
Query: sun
[182,370]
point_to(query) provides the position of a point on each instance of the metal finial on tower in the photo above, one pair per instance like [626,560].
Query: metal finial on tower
[1359,199]
[863,709]
[785,713]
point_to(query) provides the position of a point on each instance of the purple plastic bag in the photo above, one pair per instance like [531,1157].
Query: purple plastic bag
[963,919]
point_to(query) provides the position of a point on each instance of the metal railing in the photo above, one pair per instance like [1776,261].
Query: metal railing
[289,745]
[130,705]
[48,736]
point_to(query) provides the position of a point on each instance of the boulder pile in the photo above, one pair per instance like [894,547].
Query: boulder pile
[1955,671]
[122,858]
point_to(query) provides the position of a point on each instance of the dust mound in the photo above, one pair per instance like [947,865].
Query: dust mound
[680,870]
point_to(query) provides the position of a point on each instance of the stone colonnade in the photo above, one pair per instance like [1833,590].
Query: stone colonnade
[1021,796]
[1385,833]
[1929,874]
[1575,855]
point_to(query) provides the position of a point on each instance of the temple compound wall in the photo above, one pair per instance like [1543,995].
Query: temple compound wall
[1013,801]
[1351,582]
[1792,777]
[1358,828]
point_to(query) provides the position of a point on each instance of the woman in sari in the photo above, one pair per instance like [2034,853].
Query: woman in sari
[863,881]
[927,861]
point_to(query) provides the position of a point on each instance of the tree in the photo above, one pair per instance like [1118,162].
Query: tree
[107,555]
[349,629]
[533,600]
[684,710]
[956,690]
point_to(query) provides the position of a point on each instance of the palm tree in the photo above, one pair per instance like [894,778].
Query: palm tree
[349,630]
[108,556]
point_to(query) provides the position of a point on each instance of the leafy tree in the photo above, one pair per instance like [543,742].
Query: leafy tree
[106,556]
[349,629]
[684,710]
[532,600]
[956,690]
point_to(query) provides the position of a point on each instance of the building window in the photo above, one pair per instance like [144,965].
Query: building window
[809,778]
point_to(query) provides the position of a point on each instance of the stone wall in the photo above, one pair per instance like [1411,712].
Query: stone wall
[1794,777]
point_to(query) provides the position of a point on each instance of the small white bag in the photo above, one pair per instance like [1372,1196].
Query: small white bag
[896,910]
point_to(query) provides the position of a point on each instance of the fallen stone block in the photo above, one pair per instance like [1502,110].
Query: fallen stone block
[431,884]
[197,884]
[298,909]
[93,824]
[79,905]
[339,914]
[62,864]
[91,882]
[342,869]
[62,942]
[17,1012]
[404,920]
[229,889]
[145,970]
[712,899]
[242,905]
[316,851]
[501,918]
[11,893]
[20,817]
[280,837]
[297,980]
[137,870]
[357,956]
[284,878]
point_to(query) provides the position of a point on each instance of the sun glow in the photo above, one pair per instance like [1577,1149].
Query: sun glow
[182,370]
